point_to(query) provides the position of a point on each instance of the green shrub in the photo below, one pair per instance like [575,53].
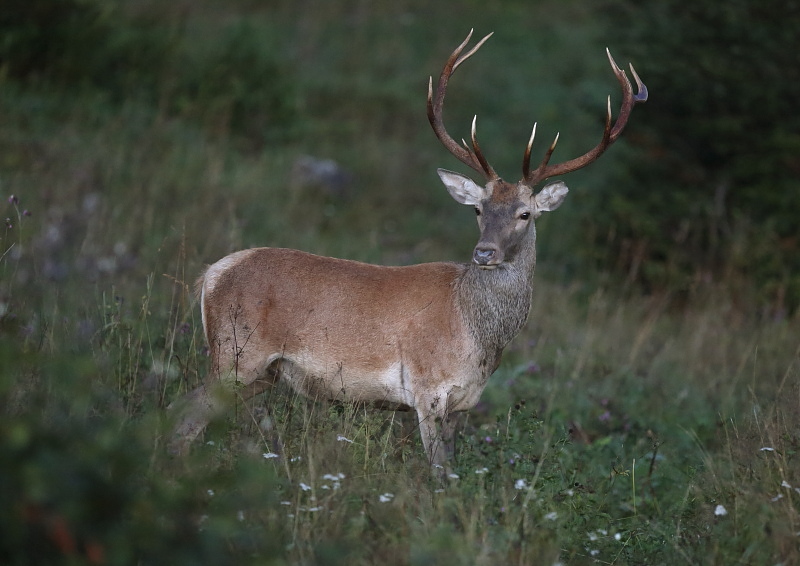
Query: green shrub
[712,186]
[51,39]
[80,483]
[231,82]
[237,84]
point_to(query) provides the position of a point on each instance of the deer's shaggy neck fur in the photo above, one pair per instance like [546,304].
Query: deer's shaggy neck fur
[496,302]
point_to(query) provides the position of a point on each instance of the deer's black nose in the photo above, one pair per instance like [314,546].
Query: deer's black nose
[487,256]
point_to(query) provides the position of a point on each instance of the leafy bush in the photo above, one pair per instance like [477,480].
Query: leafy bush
[80,483]
[233,82]
[51,39]
[237,84]
[713,186]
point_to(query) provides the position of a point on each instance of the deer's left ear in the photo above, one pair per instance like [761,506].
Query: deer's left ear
[550,197]
[461,188]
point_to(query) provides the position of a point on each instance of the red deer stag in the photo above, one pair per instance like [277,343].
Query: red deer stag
[424,337]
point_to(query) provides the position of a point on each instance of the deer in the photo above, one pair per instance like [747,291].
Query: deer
[423,337]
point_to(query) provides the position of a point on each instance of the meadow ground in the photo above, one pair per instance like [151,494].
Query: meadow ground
[619,429]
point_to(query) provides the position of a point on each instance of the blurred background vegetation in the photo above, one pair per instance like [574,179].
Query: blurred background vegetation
[141,139]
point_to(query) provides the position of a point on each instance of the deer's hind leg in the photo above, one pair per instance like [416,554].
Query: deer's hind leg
[243,377]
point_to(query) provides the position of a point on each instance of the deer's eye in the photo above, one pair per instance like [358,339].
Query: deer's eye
[525,215]
[477,211]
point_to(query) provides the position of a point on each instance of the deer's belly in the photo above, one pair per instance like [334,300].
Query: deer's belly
[336,381]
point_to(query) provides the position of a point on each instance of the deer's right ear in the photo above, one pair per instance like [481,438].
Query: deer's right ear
[462,188]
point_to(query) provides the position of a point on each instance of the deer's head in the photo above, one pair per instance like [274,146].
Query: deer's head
[506,211]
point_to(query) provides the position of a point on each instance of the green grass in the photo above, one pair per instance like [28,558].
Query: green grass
[613,430]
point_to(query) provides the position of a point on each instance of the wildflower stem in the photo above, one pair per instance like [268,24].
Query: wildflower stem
[633,484]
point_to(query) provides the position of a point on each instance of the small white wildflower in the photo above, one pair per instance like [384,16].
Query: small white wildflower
[602,532]
[520,484]
[777,497]
[440,490]
[314,509]
[570,492]
[341,438]
[286,502]
[785,484]
[386,497]
[551,516]
[269,455]
[240,515]
[210,493]
[594,552]
[210,443]
[452,476]
[482,471]
[305,487]
[325,486]
[720,511]
[592,537]
[296,459]
[767,449]
[617,536]
[438,466]
[333,477]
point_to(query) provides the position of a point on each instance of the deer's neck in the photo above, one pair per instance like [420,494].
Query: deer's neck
[496,302]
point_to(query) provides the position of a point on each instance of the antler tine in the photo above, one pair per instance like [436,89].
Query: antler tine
[473,158]
[610,133]
[628,98]
[490,173]
[550,150]
[471,52]
[526,159]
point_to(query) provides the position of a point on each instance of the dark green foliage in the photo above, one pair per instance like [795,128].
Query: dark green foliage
[81,43]
[81,484]
[233,83]
[237,84]
[51,38]
[77,487]
[711,188]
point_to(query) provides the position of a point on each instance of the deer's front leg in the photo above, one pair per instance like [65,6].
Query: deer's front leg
[431,439]
[437,428]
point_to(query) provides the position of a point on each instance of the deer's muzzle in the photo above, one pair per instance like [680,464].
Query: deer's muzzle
[487,256]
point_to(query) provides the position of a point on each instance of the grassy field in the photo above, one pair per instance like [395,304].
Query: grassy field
[619,429]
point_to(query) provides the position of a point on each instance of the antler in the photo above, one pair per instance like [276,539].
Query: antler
[610,134]
[469,156]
